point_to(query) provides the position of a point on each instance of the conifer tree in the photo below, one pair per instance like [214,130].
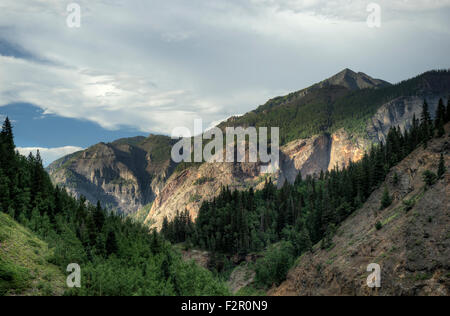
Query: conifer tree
[91,230]
[440,129]
[429,178]
[298,179]
[386,199]
[395,180]
[7,136]
[4,191]
[440,118]
[304,242]
[99,216]
[440,113]
[7,147]
[111,243]
[447,116]
[425,124]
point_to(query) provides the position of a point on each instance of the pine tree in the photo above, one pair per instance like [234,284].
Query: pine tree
[4,191]
[386,199]
[7,147]
[440,118]
[429,178]
[111,243]
[165,229]
[99,216]
[395,179]
[304,241]
[441,168]
[7,136]
[440,113]
[440,129]
[414,133]
[425,124]
[298,179]
[91,230]
[327,241]
[447,116]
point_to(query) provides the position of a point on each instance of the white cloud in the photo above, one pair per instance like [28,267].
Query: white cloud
[49,154]
[156,65]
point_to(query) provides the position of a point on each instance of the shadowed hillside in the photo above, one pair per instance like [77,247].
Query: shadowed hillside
[410,239]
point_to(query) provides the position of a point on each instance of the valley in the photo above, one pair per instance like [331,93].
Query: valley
[321,127]
[343,198]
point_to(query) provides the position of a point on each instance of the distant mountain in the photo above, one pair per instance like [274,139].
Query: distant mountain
[347,79]
[125,175]
[353,81]
[321,127]
[346,100]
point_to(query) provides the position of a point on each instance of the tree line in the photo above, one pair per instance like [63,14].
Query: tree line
[309,210]
[117,256]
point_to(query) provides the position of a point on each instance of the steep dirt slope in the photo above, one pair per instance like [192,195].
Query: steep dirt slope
[412,247]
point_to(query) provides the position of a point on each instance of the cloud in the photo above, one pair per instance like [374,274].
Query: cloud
[161,64]
[49,154]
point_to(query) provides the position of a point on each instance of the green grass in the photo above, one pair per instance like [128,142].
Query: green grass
[195,198]
[422,276]
[24,269]
[141,215]
[203,180]
[158,147]
[250,290]
[390,219]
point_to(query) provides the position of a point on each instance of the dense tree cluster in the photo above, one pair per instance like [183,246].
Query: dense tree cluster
[180,229]
[305,212]
[117,257]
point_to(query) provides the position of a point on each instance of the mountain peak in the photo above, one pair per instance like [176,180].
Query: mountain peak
[347,71]
[354,80]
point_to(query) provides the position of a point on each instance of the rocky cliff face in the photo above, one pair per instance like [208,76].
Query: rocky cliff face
[412,247]
[308,156]
[125,175]
[321,152]
[399,112]
[129,174]
[187,189]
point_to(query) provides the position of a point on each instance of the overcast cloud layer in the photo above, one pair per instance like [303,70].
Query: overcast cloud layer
[155,65]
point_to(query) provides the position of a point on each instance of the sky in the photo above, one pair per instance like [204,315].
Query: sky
[135,67]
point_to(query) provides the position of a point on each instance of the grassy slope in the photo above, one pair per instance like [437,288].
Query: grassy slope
[141,214]
[24,269]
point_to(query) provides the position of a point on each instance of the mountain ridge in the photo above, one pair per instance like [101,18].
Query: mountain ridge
[346,122]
